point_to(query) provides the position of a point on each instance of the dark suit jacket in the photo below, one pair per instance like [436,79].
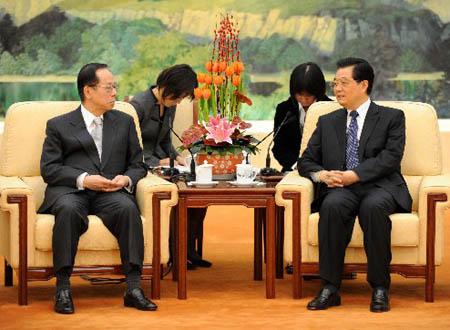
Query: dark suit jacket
[69,151]
[286,145]
[381,147]
[155,137]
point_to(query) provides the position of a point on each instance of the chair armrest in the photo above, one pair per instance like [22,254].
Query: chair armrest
[295,227]
[435,181]
[12,186]
[19,217]
[436,184]
[154,184]
[145,190]
[430,217]
[296,183]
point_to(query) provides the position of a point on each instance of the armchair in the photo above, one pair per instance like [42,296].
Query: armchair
[26,237]
[416,237]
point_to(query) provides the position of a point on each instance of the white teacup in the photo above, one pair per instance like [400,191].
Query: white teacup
[245,173]
[204,173]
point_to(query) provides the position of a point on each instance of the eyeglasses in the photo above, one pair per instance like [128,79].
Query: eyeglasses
[343,82]
[108,88]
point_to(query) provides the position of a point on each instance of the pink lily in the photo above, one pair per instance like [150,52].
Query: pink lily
[220,129]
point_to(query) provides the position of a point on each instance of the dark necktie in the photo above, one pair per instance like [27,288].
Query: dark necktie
[352,159]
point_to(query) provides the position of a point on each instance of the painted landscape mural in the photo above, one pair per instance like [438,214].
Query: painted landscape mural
[44,43]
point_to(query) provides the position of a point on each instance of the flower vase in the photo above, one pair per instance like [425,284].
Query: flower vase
[224,167]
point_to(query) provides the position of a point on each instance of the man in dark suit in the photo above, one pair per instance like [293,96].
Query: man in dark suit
[92,161]
[355,154]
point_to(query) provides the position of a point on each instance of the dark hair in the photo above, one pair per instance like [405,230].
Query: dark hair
[307,77]
[178,81]
[88,77]
[362,70]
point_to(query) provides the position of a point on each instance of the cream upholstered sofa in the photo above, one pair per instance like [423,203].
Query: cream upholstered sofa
[22,191]
[413,251]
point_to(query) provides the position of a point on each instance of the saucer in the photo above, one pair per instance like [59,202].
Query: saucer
[182,169]
[202,184]
[246,184]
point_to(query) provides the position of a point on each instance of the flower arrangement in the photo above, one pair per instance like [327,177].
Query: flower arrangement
[220,96]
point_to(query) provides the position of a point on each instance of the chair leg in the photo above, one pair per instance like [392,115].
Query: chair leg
[8,274]
[429,290]
[22,202]
[430,267]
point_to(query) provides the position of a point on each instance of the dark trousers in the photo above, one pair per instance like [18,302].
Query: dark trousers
[195,217]
[119,213]
[338,210]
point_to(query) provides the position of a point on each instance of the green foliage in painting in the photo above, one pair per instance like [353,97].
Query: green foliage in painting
[274,54]
[8,64]
[66,40]
[411,61]
[154,53]
[113,42]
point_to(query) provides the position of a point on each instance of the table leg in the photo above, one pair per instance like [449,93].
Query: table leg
[259,217]
[182,247]
[174,231]
[270,251]
[280,241]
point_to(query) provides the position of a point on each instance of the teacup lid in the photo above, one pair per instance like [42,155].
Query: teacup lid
[243,164]
[205,164]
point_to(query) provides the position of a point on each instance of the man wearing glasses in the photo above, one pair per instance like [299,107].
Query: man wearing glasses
[91,161]
[355,154]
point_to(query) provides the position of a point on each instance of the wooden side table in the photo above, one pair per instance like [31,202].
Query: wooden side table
[260,198]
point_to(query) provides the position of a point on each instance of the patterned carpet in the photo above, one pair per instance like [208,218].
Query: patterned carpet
[226,297]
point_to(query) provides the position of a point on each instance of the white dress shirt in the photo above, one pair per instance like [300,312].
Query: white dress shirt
[88,118]
[302,114]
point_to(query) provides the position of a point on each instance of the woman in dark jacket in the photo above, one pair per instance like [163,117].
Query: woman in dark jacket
[156,109]
[307,85]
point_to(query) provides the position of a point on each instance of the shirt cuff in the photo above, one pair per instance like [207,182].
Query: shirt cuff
[129,188]
[315,176]
[80,180]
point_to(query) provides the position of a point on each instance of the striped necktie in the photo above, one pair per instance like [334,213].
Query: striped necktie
[352,159]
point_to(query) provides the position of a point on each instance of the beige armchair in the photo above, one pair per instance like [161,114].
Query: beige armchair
[26,237]
[417,237]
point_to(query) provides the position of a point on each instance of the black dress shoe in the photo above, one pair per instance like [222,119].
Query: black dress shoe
[136,298]
[201,263]
[324,299]
[190,265]
[380,301]
[197,261]
[63,301]
[290,270]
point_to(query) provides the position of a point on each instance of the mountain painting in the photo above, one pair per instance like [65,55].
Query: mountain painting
[43,44]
